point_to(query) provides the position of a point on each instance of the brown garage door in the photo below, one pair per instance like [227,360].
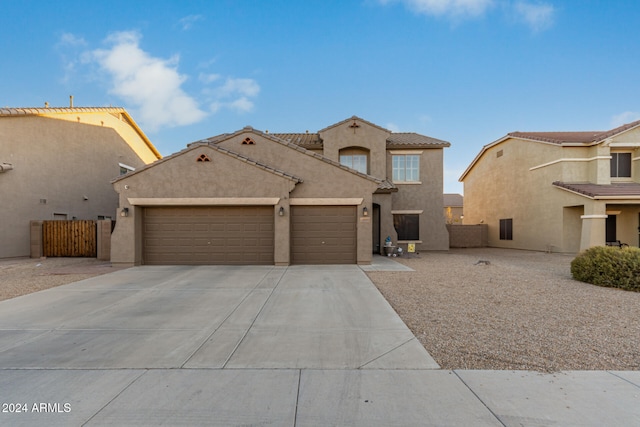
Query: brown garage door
[323,235]
[237,235]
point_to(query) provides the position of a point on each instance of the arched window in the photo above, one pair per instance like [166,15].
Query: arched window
[355,158]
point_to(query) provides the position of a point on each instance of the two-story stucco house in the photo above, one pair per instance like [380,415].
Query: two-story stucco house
[253,197]
[557,191]
[58,163]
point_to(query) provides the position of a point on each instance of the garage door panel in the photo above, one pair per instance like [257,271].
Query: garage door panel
[323,235]
[208,235]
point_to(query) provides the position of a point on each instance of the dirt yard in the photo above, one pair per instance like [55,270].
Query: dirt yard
[520,310]
[20,276]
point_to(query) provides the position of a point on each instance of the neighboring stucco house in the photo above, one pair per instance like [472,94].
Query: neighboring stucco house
[453,208]
[557,191]
[252,197]
[58,163]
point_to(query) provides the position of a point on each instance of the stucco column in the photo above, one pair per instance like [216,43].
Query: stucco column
[593,225]
[282,233]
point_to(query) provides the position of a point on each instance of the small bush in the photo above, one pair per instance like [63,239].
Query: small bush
[608,266]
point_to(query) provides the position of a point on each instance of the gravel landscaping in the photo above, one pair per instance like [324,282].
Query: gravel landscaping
[522,310]
[519,310]
[21,276]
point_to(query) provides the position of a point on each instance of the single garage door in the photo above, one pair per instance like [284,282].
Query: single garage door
[237,235]
[323,235]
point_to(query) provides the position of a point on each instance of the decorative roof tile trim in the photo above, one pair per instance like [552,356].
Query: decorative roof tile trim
[193,146]
[217,139]
[598,191]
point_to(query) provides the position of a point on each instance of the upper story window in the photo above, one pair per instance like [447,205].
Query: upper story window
[620,165]
[354,158]
[406,168]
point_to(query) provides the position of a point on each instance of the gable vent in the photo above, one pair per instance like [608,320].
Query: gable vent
[203,158]
[248,141]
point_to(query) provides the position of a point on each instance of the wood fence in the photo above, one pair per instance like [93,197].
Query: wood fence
[75,238]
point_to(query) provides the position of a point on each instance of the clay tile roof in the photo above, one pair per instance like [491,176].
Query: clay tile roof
[412,139]
[583,137]
[29,111]
[598,191]
[386,186]
[307,140]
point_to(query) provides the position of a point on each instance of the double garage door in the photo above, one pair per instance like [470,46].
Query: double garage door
[244,235]
[234,235]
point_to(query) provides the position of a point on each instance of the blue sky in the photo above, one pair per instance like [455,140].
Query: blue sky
[466,71]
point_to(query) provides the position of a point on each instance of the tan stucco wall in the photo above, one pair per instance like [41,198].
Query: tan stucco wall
[518,185]
[365,136]
[60,161]
[425,197]
[180,176]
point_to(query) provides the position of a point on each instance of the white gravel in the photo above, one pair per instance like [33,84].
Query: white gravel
[521,311]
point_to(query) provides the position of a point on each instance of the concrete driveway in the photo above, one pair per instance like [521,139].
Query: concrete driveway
[290,346]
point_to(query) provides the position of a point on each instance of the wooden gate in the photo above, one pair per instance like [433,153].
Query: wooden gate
[75,238]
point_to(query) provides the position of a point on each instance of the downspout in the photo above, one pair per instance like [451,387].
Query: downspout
[5,167]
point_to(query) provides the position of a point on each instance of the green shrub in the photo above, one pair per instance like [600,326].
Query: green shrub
[608,266]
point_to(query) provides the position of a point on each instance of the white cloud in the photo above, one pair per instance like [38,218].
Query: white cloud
[234,94]
[152,85]
[246,87]
[187,22]
[624,118]
[208,78]
[241,104]
[538,16]
[455,8]
[68,39]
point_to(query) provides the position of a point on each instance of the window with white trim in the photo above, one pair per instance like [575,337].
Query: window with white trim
[406,167]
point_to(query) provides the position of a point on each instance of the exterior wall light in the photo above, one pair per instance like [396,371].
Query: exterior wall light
[365,211]
[281,211]
[124,212]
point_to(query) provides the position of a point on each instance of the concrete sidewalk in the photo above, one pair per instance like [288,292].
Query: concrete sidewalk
[291,346]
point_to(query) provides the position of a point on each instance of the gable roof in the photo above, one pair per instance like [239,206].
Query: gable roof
[584,137]
[313,141]
[580,138]
[383,185]
[354,118]
[222,150]
[20,112]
